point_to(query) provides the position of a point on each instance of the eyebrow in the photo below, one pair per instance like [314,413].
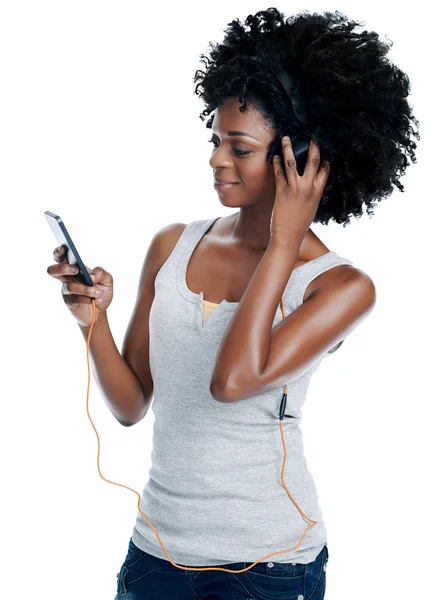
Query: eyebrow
[240,133]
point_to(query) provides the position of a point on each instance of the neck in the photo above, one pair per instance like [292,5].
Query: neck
[250,228]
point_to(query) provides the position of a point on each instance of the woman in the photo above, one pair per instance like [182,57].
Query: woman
[232,310]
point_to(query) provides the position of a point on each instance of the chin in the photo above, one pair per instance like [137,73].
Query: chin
[231,200]
[230,203]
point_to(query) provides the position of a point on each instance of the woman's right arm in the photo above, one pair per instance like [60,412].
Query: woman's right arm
[124,379]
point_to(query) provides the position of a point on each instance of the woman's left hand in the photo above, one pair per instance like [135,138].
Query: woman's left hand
[297,198]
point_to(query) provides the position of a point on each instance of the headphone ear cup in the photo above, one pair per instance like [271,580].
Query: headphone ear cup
[300,147]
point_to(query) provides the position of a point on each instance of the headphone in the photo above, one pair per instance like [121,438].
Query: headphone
[300,147]
[300,141]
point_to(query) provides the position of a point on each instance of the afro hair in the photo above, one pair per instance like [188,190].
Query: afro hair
[353,98]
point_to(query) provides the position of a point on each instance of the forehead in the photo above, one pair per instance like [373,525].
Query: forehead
[227,117]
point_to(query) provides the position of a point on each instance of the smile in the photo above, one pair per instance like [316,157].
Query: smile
[221,187]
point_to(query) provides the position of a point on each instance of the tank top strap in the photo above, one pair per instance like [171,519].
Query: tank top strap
[192,235]
[173,266]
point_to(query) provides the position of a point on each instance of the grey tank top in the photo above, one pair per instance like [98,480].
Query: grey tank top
[214,492]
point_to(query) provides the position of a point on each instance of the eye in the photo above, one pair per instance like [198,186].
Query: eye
[238,152]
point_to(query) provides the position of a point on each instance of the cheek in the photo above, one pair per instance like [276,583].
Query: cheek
[256,173]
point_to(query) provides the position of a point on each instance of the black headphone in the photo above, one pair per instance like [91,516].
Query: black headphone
[300,141]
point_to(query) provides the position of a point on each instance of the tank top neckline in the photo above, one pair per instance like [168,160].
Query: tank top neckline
[193,241]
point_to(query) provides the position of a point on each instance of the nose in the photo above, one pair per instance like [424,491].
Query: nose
[220,158]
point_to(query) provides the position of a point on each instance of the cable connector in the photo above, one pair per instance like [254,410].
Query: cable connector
[283,407]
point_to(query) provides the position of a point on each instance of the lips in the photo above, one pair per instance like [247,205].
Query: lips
[220,181]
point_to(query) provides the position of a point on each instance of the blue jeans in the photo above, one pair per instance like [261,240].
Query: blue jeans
[146,577]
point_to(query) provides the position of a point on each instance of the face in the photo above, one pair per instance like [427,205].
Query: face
[242,159]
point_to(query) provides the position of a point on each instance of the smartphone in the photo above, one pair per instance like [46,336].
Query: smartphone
[63,238]
[300,147]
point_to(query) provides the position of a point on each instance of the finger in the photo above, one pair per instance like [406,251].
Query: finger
[279,174]
[278,171]
[59,254]
[289,160]
[313,161]
[322,176]
[80,289]
[72,299]
[97,274]
[63,272]
[91,274]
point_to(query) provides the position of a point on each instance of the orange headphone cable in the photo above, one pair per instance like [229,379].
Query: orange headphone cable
[139,497]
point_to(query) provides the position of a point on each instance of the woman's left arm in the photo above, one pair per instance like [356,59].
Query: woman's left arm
[255,357]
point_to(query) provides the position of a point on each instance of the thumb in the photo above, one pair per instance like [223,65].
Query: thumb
[96,274]
[91,273]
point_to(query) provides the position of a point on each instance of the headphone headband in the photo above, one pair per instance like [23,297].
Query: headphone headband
[288,85]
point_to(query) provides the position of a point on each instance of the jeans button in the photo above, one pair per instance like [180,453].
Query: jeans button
[300,597]
[270,564]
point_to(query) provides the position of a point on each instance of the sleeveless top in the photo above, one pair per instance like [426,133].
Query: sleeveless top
[214,492]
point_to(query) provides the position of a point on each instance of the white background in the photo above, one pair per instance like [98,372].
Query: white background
[100,124]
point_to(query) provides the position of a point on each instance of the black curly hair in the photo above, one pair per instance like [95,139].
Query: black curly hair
[353,97]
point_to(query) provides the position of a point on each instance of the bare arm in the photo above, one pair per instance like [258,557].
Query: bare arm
[136,345]
[119,385]
[124,378]
[255,357]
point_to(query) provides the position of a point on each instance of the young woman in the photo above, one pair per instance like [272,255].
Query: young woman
[232,312]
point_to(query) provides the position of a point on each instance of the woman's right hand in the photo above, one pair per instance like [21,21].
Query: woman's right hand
[78,296]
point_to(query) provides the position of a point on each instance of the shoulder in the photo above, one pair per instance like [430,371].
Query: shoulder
[164,241]
[346,277]
[170,233]
[160,247]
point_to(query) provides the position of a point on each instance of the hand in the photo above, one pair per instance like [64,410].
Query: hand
[78,296]
[297,198]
